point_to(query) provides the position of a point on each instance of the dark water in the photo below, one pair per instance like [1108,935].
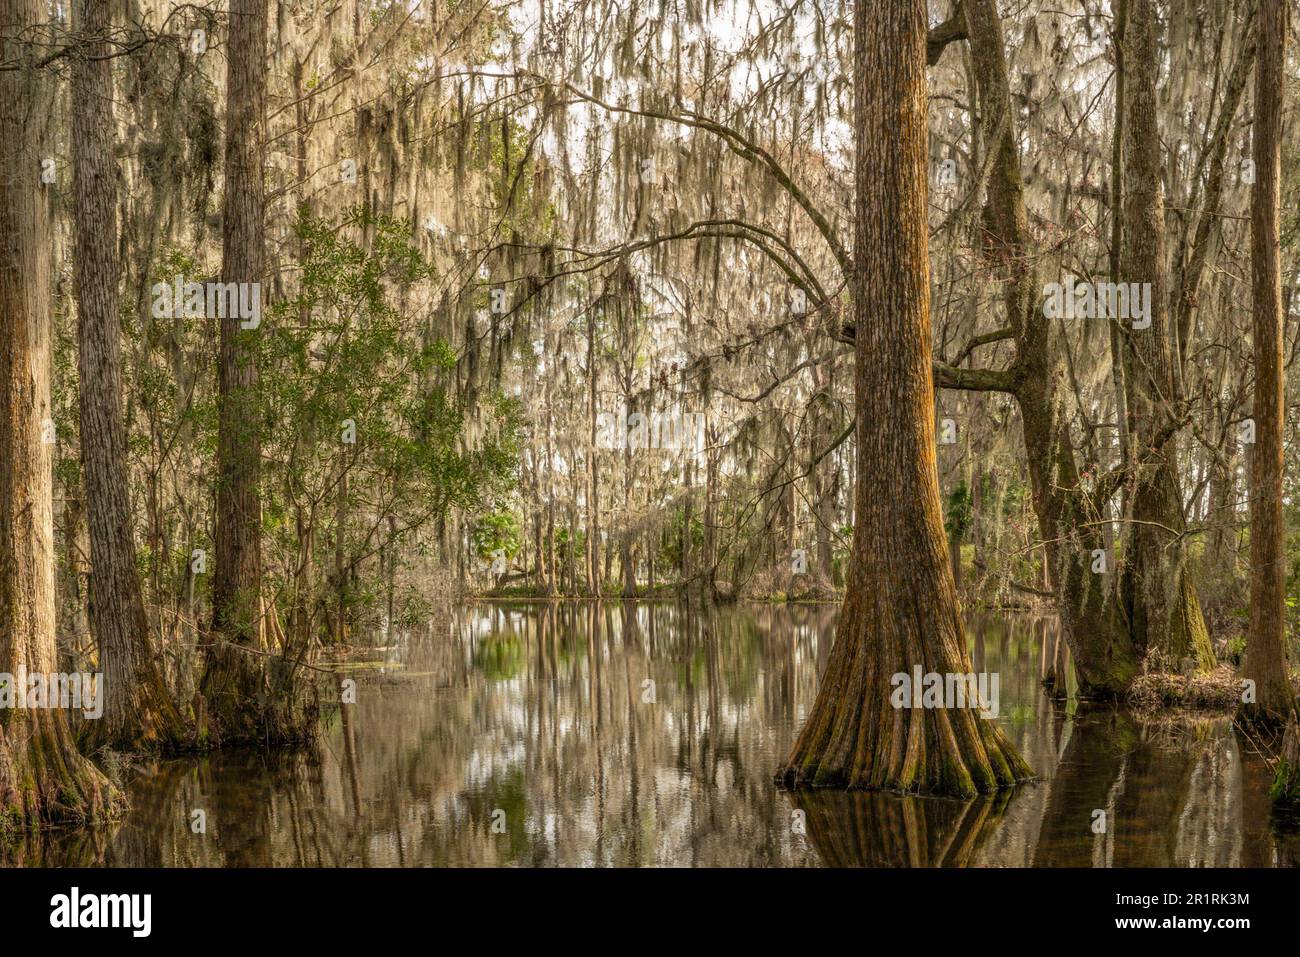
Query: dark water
[525,735]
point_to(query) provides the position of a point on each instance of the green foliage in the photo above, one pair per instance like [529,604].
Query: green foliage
[526,212]
[957,511]
[564,534]
[670,545]
[1236,649]
[356,396]
[496,531]
[1286,783]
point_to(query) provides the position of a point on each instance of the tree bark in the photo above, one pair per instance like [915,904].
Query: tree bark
[1164,611]
[1104,655]
[1219,562]
[712,466]
[138,711]
[593,489]
[234,677]
[1265,662]
[43,778]
[901,607]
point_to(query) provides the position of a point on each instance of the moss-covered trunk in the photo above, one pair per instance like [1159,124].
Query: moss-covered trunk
[1266,665]
[1082,571]
[1158,594]
[1068,520]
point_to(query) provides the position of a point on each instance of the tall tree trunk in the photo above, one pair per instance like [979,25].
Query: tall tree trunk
[688,518]
[138,712]
[1105,658]
[900,609]
[608,561]
[339,576]
[1118,354]
[1219,561]
[43,778]
[1265,662]
[552,558]
[1164,611]
[593,489]
[234,678]
[571,519]
[712,466]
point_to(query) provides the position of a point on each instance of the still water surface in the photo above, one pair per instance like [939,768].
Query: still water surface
[639,734]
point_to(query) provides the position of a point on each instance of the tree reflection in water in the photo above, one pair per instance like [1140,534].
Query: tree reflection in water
[864,829]
[634,734]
